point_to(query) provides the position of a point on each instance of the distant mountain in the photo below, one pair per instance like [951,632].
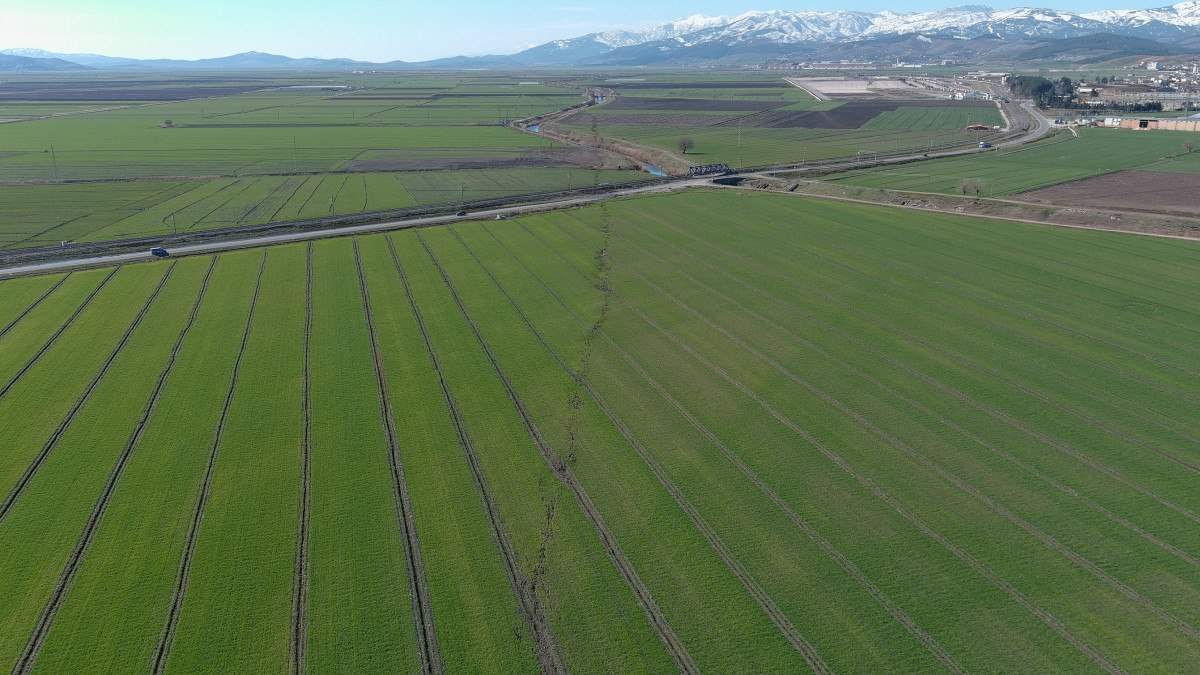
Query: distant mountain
[978,31]
[12,63]
[92,60]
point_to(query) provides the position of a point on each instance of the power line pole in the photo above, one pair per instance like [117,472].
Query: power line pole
[54,162]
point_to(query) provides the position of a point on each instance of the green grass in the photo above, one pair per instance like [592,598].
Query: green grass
[912,444]
[119,169]
[361,610]
[44,215]
[1059,159]
[757,147]
[252,516]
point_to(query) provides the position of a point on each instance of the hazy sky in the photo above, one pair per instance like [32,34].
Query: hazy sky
[373,30]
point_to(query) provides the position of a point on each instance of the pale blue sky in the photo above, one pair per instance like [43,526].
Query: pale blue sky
[372,30]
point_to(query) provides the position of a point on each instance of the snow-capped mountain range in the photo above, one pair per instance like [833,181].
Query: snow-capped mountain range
[774,33]
[714,37]
[788,27]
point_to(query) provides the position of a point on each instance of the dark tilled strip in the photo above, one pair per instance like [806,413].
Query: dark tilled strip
[427,644]
[299,639]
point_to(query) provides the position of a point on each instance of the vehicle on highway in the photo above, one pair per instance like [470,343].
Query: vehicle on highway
[502,216]
[461,213]
[159,252]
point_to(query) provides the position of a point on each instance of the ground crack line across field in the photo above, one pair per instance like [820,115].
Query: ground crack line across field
[654,612]
[925,410]
[37,302]
[17,490]
[67,578]
[546,648]
[299,638]
[430,654]
[161,654]
[773,611]
[58,333]
[825,545]
[964,556]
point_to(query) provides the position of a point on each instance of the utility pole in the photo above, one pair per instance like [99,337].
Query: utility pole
[54,161]
[295,157]
[462,192]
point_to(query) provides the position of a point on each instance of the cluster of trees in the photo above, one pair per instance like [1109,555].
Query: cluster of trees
[1061,94]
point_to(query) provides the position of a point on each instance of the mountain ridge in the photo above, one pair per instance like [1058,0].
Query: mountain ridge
[766,34]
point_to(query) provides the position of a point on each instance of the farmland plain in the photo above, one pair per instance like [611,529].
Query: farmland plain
[710,431]
[1059,159]
[86,160]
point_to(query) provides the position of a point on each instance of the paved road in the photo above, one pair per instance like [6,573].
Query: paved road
[1044,127]
[287,237]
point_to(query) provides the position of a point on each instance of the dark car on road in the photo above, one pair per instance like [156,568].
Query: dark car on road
[159,252]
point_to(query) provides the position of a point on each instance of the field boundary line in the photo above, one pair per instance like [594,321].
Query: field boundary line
[950,477]
[58,333]
[4,331]
[428,649]
[964,556]
[766,603]
[970,400]
[827,547]
[67,579]
[18,489]
[546,644]
[300,580]
[666,633]
[928,412]
[163,652]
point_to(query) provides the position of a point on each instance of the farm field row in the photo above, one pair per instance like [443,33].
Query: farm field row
[43,215]
[757,147]
[708,431]
[1059,159]
[944,118]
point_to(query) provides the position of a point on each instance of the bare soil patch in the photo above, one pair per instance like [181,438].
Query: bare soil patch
[651,120]
[849,115]
[1131,189]
[698,104]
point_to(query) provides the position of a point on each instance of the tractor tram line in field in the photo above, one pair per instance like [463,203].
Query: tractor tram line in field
[824,544]
[300,590]
[562,470]
[963,396]
[428,649]
[752,587]
[547,649]
[163,651]
[58,333]
[929,413]
[992,374]
[966,557]
[62,589]
[17,490]
[949,252]
[54,287]
[1030,529]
